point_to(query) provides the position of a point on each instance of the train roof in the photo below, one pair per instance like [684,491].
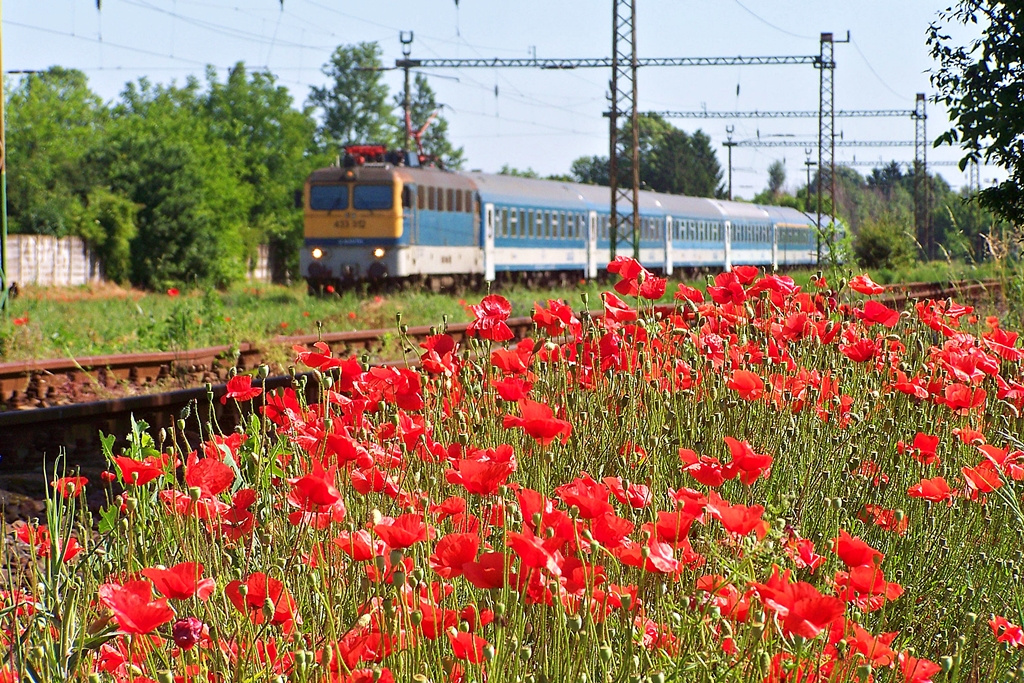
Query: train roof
[508,189]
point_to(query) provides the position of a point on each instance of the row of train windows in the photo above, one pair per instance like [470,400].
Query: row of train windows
[789,236]
[539,224]
[650,228]
[444,199]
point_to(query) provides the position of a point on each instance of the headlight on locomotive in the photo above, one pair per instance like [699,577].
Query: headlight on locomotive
[378,252]
[317,253]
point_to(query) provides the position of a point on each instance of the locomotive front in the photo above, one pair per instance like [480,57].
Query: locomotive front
[353,218]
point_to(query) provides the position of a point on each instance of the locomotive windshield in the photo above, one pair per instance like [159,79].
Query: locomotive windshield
[328,197]
[373,197]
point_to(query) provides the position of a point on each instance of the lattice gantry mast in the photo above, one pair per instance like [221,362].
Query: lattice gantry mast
[922,213]
[826,133]
[624,227]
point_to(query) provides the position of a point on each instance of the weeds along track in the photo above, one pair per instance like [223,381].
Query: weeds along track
[53,407]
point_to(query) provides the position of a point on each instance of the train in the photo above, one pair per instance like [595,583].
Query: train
[384,215]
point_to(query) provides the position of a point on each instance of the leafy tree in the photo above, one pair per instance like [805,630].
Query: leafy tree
[425,111]
[53,121]
[776,178]
[884,242]
[273,143]
[162,155]
[886,178]
[355,105]
[982,86]
[108,224]
[671,161]
[590,170]
[518,173]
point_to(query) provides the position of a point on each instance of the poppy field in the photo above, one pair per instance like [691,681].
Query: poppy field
[760,482]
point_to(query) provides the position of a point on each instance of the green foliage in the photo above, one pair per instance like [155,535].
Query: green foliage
[671,161]
[274,145]
[163,155]
[591,170]
[982,86]
[53,121]
[518,173]
[884,243]
[108,224]
[354,106]
[776,177]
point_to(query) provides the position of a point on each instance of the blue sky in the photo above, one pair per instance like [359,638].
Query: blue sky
[522,117]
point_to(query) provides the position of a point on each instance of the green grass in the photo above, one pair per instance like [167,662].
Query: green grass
[87,321]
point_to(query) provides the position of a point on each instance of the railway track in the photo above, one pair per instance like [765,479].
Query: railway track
[61,406]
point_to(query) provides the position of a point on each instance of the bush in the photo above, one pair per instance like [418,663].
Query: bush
[884,243]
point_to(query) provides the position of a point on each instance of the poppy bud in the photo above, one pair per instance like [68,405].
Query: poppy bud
[605,653]
[194,493]
[268,609]
[187,632]
[165,676]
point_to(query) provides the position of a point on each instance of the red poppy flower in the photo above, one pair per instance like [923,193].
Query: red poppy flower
[182,581]
[674,527]
[141,472]
[402,531]
[875,312]
[746,463]
[488,571]
[747,384]
[240,388]
[611,530]
[616,309]
[963,399]
[466,646]
[864,285]
[69,487]
[539,421]
[854,552]
[737,519]
[876,649]
[209,475]
[686,293]
[704,468]
[20,321]
[532,551]
[935,490]
[482,478]
[984,478]
[805,611]
[491,314]
[173,291]
[452,552]
[359,545]
[917,670]
[1007,632]
[314,489]
[261,589]
[134,608]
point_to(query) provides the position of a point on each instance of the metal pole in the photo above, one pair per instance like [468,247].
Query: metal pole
[730,144]
[613,136]
[635,118]
[406,101]
[4,285]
